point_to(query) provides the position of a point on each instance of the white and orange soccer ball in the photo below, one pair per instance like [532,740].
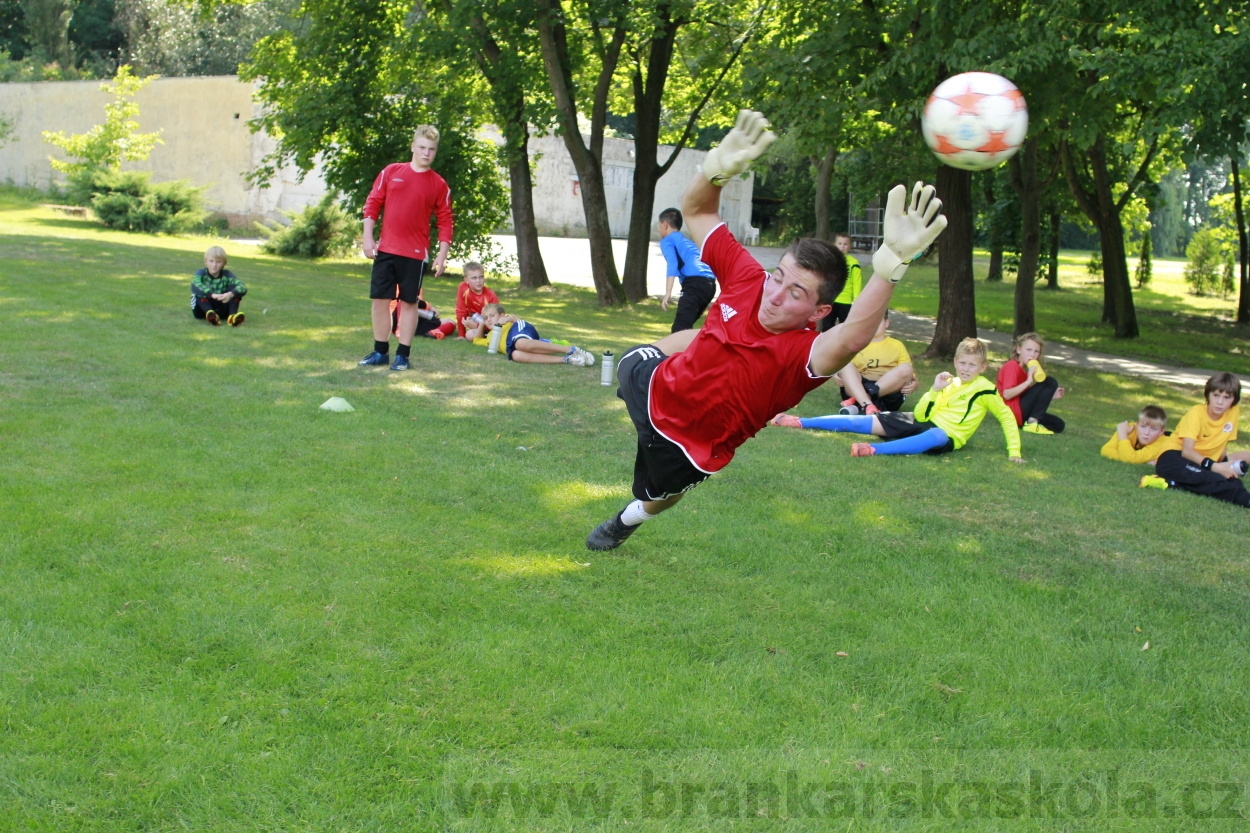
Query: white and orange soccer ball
[975,120]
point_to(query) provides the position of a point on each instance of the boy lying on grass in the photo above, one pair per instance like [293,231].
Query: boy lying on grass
[524,345]
[945,419]
[1201,465]
[1142,441]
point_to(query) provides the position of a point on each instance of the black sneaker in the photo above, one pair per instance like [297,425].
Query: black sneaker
[400,363]
[374,359]
[610,534]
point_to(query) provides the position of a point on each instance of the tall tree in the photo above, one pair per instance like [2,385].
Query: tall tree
[1124,103]
[713,35]
[506,53]
[599,45]
[1221,118]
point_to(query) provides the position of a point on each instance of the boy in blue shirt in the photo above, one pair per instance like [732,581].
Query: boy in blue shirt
[698,284]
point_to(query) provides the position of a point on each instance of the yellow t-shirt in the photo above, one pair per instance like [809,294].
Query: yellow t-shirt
[1126,451]
[1210,436]
[879,357]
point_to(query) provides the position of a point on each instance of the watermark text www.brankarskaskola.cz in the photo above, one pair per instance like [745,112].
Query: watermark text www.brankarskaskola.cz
[878,792]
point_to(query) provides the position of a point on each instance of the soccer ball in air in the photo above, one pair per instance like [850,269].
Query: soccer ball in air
[975,120]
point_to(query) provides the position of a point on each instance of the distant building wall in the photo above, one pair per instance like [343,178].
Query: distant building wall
[203,124]
[557,193]
[205,137]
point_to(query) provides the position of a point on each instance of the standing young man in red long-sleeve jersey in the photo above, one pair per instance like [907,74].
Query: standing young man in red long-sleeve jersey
[411,193]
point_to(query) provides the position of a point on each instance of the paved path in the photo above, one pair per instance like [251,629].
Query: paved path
[568,262]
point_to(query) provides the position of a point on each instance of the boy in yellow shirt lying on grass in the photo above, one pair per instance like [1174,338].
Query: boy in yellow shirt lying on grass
[1142,441]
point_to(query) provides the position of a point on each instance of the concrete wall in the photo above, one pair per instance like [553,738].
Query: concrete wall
[558,203]
[203,124]
[204,128]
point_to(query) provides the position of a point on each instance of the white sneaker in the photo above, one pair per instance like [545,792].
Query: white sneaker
[577,356]
[587,357]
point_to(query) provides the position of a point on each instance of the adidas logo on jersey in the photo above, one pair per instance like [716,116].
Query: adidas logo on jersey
[727,312]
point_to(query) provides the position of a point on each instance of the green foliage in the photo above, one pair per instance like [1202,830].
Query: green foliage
[30,68]
[104,147]
[1094,267]
[321,230]
[1228,278]
[127,200]
[346,89]
[1145,267]
[1206,254]
[199,38]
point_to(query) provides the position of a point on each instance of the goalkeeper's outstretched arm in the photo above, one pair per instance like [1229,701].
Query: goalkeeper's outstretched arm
[745,143]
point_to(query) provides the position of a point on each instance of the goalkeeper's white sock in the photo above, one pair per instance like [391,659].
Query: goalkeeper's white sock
[634,514]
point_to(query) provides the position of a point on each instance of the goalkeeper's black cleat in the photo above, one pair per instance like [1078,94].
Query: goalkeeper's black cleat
[610,534]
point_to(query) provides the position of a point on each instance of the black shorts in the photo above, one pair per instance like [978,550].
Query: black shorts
[396,276]
[661,468]
[899,424]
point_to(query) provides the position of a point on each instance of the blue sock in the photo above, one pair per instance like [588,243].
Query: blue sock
[919,444]
[840,422]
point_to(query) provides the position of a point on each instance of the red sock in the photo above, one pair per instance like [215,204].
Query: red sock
[445,329]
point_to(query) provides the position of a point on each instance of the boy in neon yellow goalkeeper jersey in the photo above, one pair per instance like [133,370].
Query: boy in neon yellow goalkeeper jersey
[945,419]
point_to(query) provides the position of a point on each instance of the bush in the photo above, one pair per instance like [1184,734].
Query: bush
[321,230]
[1206,257]
[130,202]
[1094,266]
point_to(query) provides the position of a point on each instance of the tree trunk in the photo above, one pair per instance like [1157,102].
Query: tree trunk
[529,257]
[1243,246]
[648,109]
[995,273]
[957,315]
[509,99]
[1052,274]
[1099,204]
[824,175]
[1025,180]
[587,159]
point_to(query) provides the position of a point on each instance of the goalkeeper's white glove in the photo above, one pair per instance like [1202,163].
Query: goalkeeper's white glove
[909,229]
[741,146]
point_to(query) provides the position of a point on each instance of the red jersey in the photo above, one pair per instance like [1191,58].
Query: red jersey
[469,302]
[721,390]
[410,199]
[1009,376]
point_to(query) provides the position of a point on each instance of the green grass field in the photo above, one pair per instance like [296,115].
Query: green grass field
[1176,328]
[224,609]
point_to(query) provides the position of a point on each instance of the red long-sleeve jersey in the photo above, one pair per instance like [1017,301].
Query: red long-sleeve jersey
[410,198]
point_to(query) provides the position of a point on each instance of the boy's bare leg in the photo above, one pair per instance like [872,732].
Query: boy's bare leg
[894,379]
[532,351]
[655,507]
[407,322]
[382,320]
[853,381]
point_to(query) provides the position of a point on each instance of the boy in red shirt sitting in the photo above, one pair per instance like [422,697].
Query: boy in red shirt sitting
[472,296]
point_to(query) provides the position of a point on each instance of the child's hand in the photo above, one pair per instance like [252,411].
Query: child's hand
[910,388]
[1058,394]
[1122,430]
[1015,459]
[664,303]
[942,380]
[370,247]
